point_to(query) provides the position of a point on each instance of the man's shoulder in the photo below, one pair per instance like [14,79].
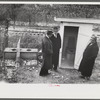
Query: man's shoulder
[52,36]
[45,39]
[58,34]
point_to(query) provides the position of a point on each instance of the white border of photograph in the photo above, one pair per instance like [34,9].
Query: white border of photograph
[55,91]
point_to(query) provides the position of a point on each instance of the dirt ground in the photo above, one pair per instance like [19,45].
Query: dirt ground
[30,74]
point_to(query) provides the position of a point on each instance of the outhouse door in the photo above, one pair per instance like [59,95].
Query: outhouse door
[85,33]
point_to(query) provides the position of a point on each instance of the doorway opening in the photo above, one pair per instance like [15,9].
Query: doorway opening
[69,46]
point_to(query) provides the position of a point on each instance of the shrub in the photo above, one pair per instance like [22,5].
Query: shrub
[27,41]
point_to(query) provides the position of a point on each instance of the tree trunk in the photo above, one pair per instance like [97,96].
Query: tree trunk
[6,34]
[29,20]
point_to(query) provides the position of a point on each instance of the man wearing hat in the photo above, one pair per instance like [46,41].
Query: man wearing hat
[56,42]
[47,51]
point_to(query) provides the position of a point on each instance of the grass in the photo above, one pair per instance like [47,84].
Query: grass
[30,74]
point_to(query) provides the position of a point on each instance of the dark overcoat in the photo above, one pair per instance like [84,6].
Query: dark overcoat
[47,53]
[56,42]
[88,60]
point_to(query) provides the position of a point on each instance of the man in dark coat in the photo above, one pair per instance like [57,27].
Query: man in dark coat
[47,54]
[88,60]
[56,42]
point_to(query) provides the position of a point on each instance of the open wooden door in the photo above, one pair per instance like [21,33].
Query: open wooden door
[84,35]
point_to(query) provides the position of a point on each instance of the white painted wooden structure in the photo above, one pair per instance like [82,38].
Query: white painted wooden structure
[84,32]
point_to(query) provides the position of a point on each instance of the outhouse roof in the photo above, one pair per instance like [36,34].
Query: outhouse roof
[78,20]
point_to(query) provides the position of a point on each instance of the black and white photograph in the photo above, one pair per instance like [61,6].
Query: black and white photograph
[49,43]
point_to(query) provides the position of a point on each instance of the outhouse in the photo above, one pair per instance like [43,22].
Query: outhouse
[75,35]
